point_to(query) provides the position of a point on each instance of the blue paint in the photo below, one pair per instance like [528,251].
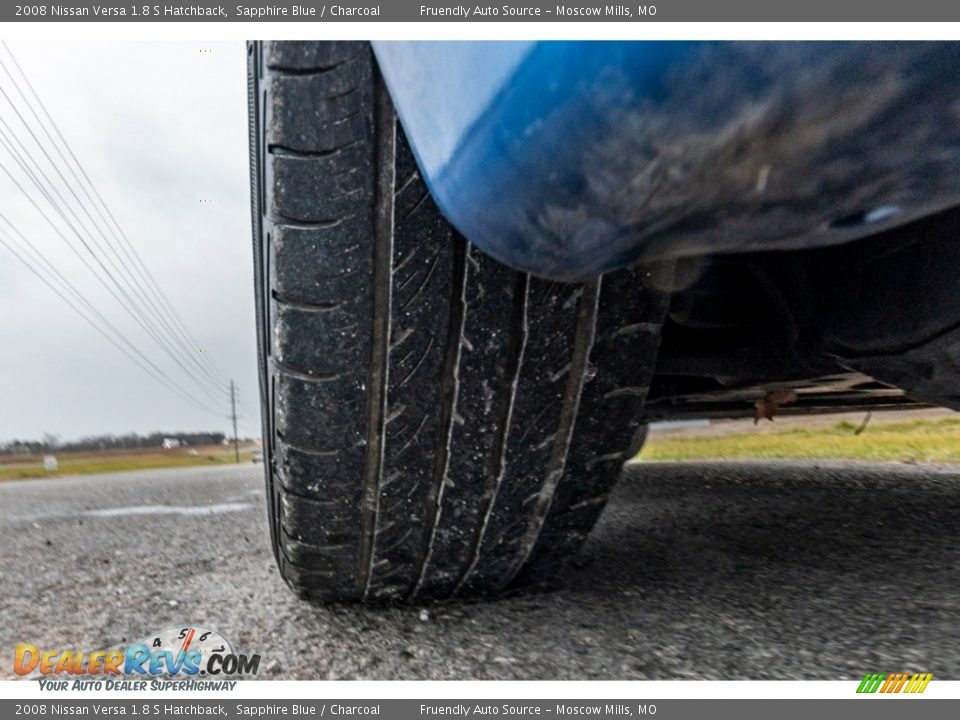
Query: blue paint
[567,159]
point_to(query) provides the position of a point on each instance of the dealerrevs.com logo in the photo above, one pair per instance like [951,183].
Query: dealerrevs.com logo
[165,660]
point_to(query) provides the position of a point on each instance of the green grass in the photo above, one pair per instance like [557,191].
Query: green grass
[922,441]
[87,463]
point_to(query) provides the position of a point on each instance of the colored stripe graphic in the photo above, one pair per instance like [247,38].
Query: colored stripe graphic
[918,682]
[894,682]
[871,682]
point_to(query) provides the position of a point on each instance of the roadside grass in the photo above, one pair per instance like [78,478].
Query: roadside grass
[89,463]
[919,441]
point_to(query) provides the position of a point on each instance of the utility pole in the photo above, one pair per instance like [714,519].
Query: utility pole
[233,414]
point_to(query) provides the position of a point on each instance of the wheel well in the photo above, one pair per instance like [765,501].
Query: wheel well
[870,324]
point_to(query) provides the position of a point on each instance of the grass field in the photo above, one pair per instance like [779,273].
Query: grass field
[896,438]
[919,440]
[16,467]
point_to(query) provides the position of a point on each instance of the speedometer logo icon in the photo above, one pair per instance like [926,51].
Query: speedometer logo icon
[193,641]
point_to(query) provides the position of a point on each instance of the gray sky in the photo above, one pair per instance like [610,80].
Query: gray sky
[159,128]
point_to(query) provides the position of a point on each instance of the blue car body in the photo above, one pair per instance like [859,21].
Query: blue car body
[568,159]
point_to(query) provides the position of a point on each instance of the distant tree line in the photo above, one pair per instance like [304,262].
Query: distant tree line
[51,442]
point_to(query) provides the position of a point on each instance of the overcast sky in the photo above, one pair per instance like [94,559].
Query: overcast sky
[161,128]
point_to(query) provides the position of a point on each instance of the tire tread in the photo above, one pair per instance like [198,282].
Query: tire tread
[431,415]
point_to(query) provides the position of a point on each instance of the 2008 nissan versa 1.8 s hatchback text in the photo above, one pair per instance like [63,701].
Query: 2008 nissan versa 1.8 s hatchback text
[483,268]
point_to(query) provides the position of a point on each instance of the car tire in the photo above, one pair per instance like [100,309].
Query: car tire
[436,424]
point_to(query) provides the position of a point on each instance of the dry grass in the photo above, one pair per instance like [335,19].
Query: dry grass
[921,441]
[15,467]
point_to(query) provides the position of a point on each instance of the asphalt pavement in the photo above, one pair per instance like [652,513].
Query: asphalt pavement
[696,571]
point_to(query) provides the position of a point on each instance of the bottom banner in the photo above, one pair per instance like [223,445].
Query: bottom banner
[407,709]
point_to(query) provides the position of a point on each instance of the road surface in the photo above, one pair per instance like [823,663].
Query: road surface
[710,571]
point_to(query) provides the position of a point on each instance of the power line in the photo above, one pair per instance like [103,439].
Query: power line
[164,325]
[126,245]
[148,366]
[80,255]
[127,301]
[118,269]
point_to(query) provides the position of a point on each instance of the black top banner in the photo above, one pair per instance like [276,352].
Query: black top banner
[522,11]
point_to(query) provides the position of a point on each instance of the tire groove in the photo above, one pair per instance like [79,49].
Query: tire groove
[283,151]
[448,392]
[385,126]
[318,307]
[628,298]
[280,220]
[317,70]
[518,342]
[580,360]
